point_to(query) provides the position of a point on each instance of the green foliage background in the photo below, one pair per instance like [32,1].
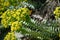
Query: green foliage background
[33,30]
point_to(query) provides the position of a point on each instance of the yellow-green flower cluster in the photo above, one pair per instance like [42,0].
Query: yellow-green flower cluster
[13,17]
[5,18]
[7,3]
[23,13]
[10,36]
[57,12]
[4,22]
[16,26]
[4,3]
